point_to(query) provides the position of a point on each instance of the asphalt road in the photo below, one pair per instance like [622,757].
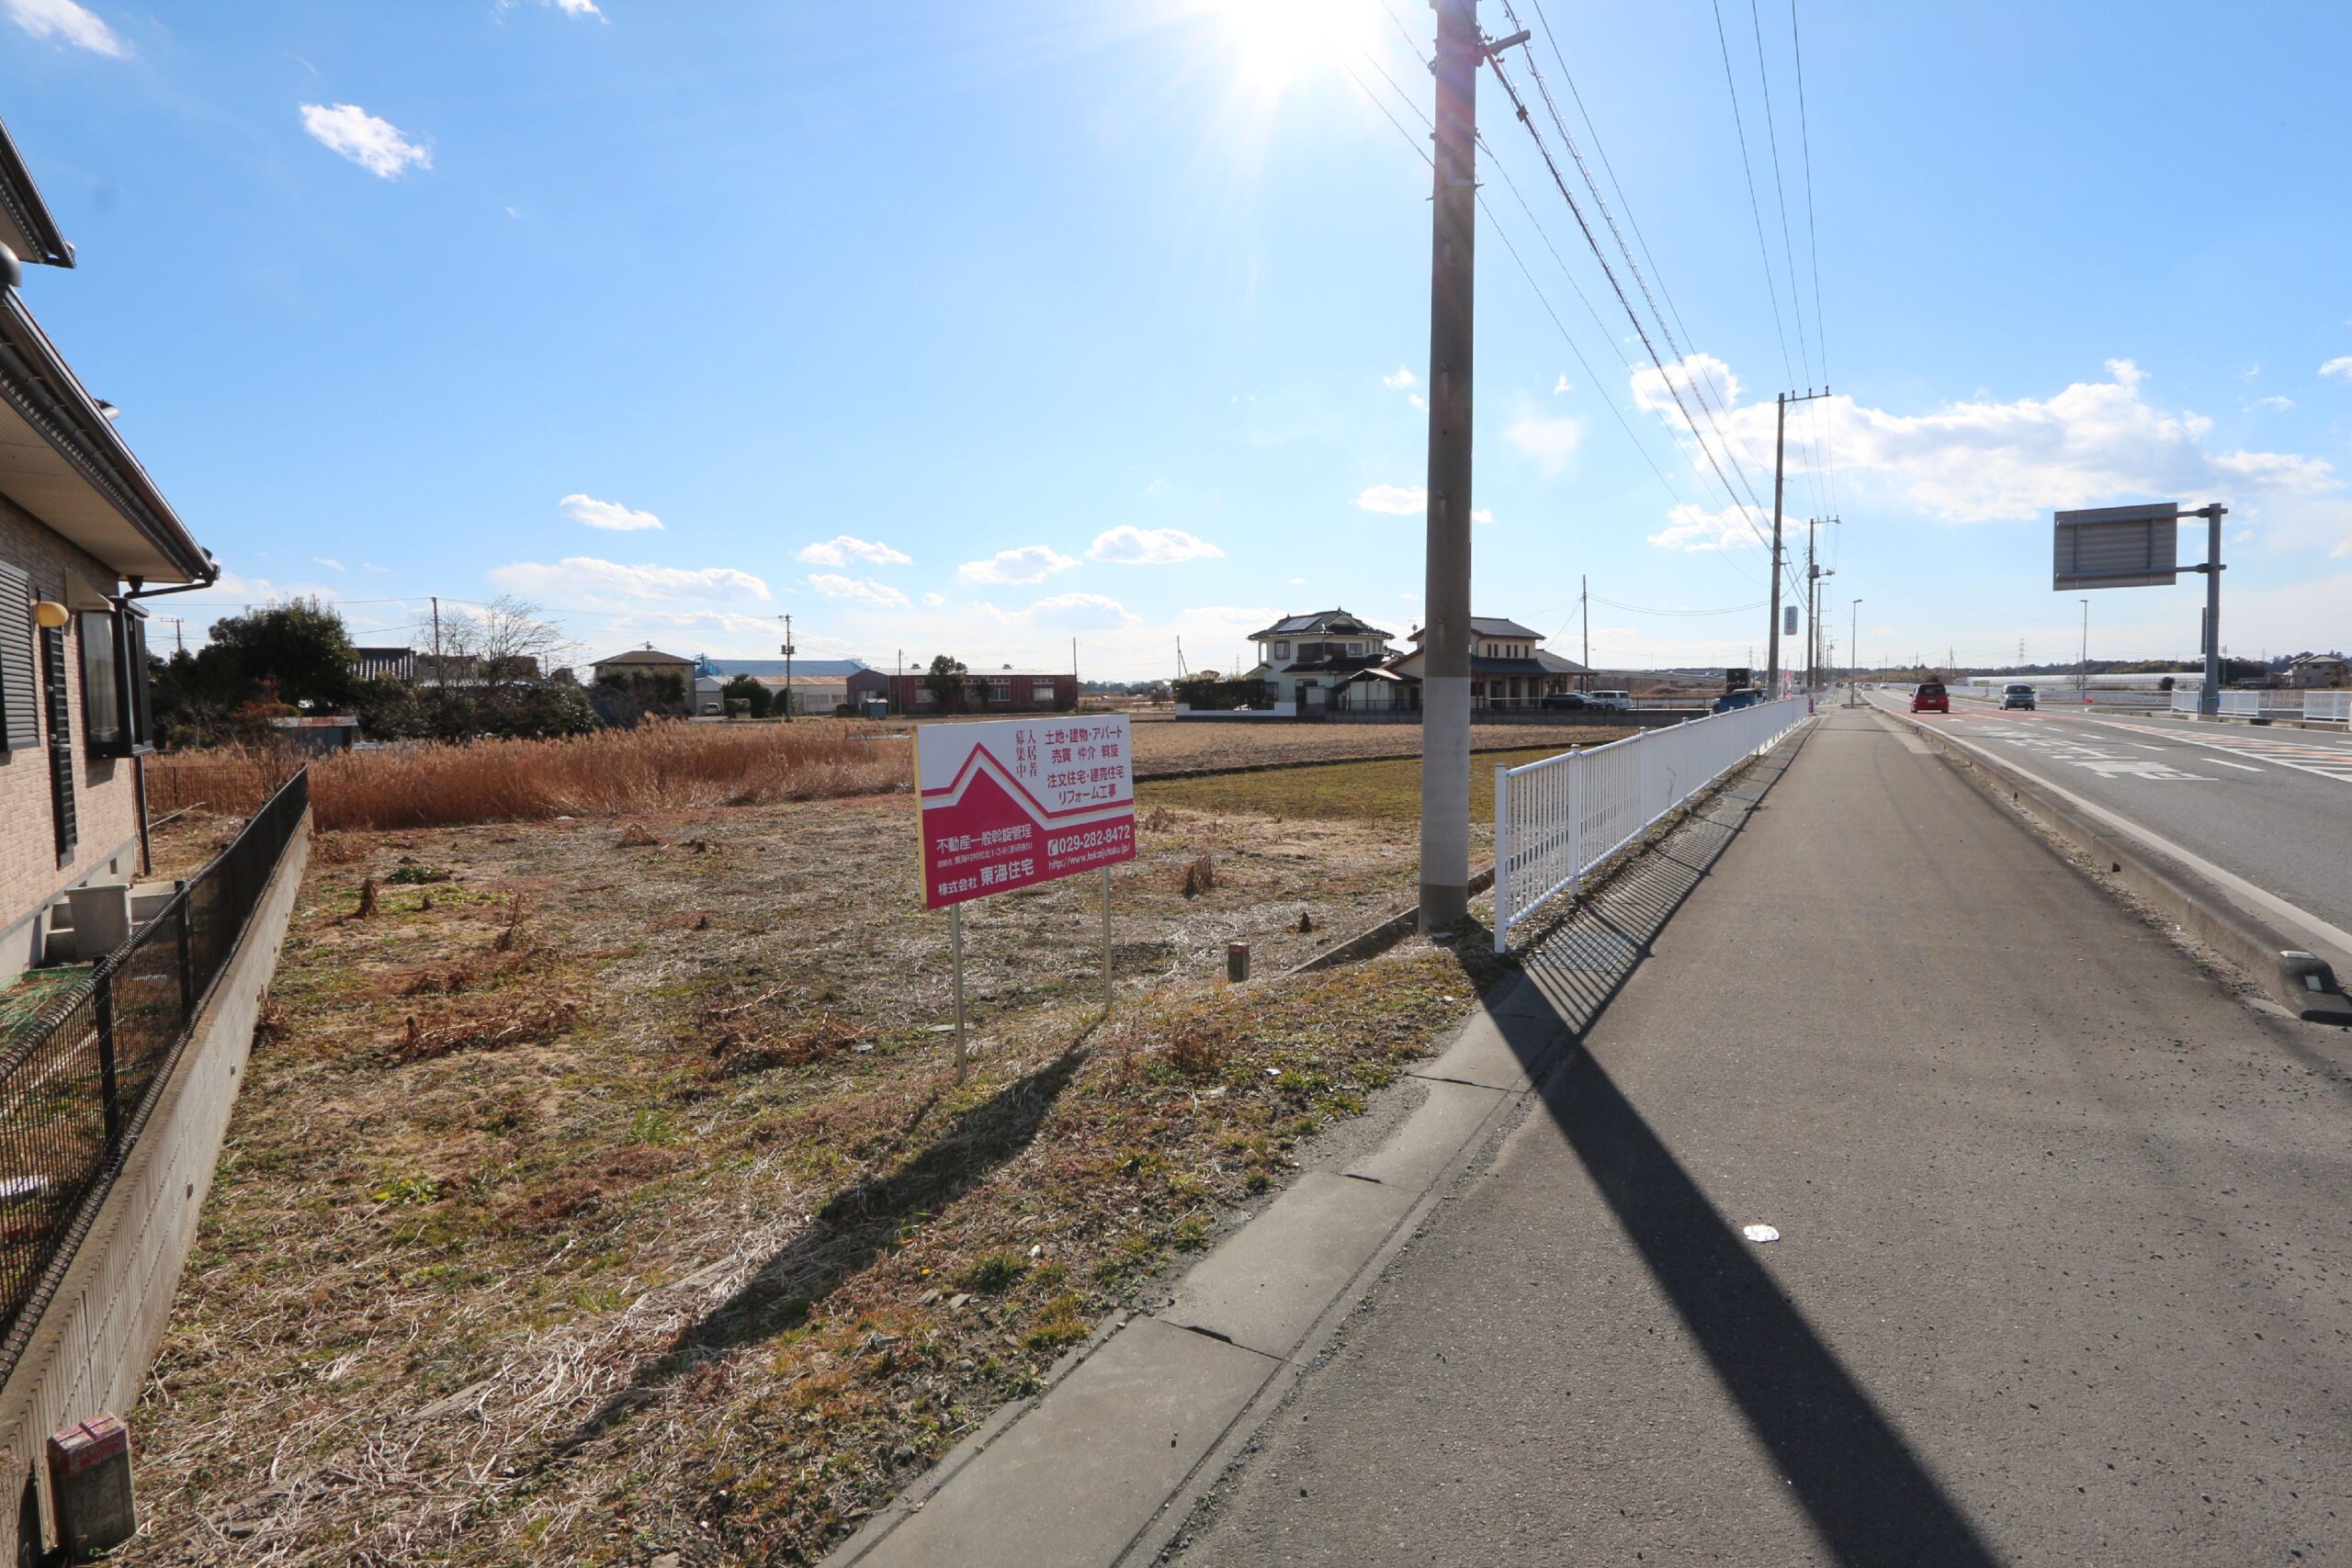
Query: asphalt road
[2272,806]
[2060,1275]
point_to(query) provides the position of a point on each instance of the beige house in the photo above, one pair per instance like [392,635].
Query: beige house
[1506,671]
[84,535]
[1306,659]
[819,694]
[646,661]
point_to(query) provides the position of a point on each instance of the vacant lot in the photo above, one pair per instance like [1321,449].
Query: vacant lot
[593,1197]
[1179,746]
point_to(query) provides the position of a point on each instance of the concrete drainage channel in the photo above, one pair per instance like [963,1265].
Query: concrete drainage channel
[2301,982]
[1133,1428]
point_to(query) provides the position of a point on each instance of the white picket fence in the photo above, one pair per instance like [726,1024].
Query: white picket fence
[1557,819]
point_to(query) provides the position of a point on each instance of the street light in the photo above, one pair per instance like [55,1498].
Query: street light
[1854,646]
[2083,683]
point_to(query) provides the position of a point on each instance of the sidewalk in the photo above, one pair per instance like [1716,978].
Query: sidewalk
[2063,1241]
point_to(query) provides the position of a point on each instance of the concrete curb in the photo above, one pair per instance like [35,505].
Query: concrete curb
[2297,980]
[1383,936]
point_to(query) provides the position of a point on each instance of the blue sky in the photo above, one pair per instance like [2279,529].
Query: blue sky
[980,327]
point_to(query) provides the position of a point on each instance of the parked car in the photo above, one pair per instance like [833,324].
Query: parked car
[1743,697]
[1930,696]
[2016,695]
[1611,702]
[1566,701]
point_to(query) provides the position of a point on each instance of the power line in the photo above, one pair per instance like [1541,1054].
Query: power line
[1747,166]
[1634,265]
[1812,233]
[1640,610]
[1520,104]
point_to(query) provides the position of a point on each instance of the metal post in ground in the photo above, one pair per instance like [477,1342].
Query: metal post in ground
[1445,684]
[956,947]
[1106,941]
[2209,697]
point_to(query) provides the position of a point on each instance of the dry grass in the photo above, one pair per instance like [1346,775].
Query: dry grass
[1168,747]
[671,1231]
[662,767]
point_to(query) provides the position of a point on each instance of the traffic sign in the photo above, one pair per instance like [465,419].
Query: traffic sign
[2116,547]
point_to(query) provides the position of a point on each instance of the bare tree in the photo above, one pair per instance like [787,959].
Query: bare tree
[505,642]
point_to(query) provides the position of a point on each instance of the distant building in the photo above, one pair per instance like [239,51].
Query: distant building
[1304,658]
[987,691]
[1506,671]
[808,693]
[646,661]
[384,663]
[2321,670]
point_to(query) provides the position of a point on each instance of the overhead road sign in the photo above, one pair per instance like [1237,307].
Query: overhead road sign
[2116,547]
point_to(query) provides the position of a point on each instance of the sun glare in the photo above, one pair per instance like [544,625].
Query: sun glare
[1275,41]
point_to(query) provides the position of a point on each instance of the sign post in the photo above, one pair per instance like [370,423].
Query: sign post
[2139,546]
[1013,803]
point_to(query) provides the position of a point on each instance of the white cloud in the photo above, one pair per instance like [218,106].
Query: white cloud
[66,22]
[1481,515]
[1128,545]
[1030,563]
[376,145]
[1692,529]
[935,600]
[1077,611]
[1299,583]
[2272,405]
[1396,501]
[1983,460]
[371,566]
[576,8]
[575,579]
[841,550]
[2339,365]
[609,515]
[325,561]
[1415,398]
[1561,386]
[1403,381]
[861,589]
[1550,442]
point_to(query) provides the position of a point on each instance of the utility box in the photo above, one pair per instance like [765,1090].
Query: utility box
[89,1486]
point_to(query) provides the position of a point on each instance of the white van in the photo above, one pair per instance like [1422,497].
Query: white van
[1614,702]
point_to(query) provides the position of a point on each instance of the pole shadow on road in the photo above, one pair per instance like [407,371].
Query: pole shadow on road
[1871,1498]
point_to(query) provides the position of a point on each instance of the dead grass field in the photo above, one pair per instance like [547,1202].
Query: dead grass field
[1387,791]
[588,1202]
[1178,746]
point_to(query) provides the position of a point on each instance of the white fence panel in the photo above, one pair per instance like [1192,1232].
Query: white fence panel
[2241,705]
[1557,819]
[2184,699]
[2336,706]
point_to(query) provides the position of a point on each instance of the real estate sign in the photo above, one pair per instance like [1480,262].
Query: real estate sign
[1012,802]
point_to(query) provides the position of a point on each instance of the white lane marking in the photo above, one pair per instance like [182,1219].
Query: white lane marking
[2230,881]
[2242,767]
[2319,761]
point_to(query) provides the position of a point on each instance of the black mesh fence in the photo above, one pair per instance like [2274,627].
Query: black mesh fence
[76,1086]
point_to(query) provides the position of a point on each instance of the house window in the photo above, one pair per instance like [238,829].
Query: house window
[1041,692]
[1282,650]
[925,696]
[1355,650]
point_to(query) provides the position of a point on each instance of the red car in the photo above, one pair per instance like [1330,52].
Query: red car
[1930,697]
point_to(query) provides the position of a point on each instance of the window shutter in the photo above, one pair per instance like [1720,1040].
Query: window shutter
[20,697]
[61,744]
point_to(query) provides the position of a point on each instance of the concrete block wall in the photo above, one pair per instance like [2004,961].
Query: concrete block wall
[96,1343]
[106,791]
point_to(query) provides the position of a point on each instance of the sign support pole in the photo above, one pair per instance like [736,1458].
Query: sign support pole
[955,945]
[2208,699]
[1106,941]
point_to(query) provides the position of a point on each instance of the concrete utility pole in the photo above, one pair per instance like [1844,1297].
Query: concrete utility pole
[1445,600]
[1854,653]
[437,639]
[1780,476]
[1584,595]
[2209,698]
[788,669]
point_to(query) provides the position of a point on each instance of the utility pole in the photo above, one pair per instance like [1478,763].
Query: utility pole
[1446,669]
[788,669]
[437,639]
[1584,593]
[1780,476]
[1854,653]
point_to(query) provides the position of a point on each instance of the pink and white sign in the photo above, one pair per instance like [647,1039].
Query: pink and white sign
[1012,802]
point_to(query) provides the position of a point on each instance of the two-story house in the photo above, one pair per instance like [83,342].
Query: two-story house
[1304,658]
[84,534]
[1506,671]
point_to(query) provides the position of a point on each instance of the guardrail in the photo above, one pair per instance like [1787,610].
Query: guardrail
[76,1086]
[1556,820]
